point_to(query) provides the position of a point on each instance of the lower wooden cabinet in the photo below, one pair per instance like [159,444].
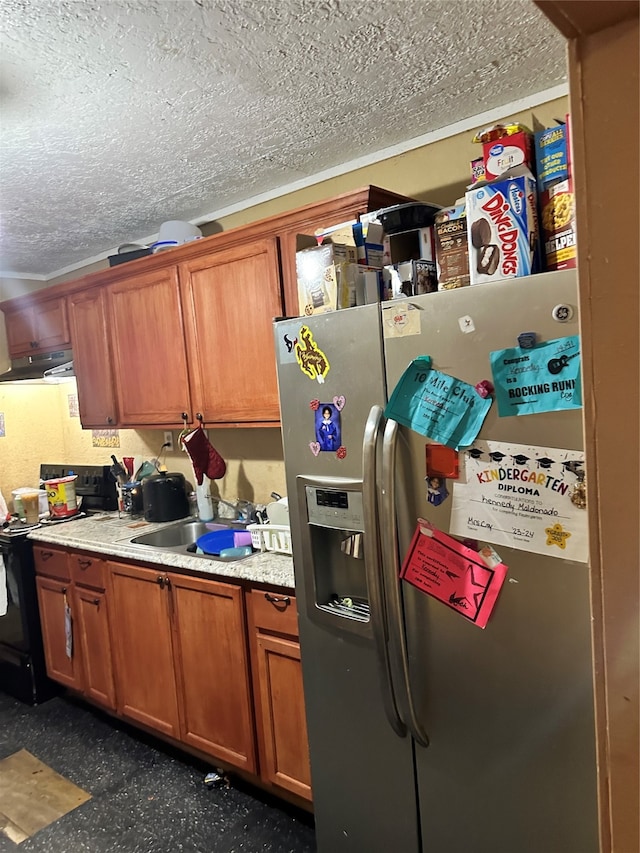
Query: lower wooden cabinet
[212,668]
[280,709]
[75,622]
[203,662]
[142,647]
[58,636]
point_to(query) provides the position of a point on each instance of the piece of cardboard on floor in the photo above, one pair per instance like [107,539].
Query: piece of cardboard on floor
[32,796]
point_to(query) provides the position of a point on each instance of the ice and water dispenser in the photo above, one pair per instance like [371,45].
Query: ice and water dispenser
[332,519]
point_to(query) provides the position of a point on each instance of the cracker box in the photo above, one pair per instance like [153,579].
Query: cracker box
[552,156]
[318,273]
[502,229]
[507,153]
[452,251]
[558,221]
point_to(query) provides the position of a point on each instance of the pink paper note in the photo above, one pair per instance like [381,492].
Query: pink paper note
[454,574]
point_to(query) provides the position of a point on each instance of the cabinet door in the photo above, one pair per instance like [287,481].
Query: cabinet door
[39,327]
[148,348]
[141,643]
[212,662]
[92,359]
[93,634]
[58,626]
[282,725]
[231,298]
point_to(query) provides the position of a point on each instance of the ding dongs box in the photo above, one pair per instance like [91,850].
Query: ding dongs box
[502,228]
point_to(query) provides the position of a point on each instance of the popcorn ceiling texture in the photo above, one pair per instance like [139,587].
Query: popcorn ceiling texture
[117,116]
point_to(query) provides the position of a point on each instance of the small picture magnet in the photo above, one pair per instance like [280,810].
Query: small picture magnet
[437,491]
[328,427]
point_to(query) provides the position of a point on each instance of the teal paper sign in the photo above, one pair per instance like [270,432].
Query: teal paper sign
[545,378]
[438,406]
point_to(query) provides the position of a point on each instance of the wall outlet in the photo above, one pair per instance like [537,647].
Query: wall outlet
[168,441]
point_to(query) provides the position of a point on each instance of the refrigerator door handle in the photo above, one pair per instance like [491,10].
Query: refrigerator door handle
[373,567]
[391,576]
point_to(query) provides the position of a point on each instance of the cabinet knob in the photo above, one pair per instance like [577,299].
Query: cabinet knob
[46,555]
[185,417]
[96,601]
[84,564]
[199,417]
[109,419]
[160,581]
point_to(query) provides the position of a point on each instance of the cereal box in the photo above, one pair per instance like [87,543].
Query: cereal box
[552,156]
[558,220]
[502,229]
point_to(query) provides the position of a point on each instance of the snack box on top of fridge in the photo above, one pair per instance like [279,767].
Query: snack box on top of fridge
[452,250]
[558,221]
[502,228]
[507,153]
[318,273]
[552,156]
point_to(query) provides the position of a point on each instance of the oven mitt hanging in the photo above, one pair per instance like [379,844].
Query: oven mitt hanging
[204,456]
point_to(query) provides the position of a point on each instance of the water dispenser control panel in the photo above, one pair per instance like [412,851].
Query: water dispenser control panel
[336,508]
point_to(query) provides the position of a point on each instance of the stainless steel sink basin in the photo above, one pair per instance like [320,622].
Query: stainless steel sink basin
[182,537]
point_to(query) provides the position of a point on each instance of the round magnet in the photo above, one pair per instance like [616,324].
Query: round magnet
[562,313]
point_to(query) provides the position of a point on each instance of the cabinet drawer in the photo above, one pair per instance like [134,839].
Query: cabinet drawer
[51,562]
[274,611]
[87,570]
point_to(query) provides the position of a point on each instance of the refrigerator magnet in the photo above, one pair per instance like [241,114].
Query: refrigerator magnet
[312,361]
[437,491]
[442,461]
[328,428]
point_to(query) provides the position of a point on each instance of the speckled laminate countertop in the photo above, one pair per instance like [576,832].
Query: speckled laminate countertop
[110,536]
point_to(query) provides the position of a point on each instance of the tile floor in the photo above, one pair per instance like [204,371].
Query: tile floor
[145,798]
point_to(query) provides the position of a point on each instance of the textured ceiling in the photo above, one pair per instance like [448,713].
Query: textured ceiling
[119,115]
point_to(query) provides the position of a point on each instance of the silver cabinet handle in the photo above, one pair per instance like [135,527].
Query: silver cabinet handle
[373,567]
[391,572]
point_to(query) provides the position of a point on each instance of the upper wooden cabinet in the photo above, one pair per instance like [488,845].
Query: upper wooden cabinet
[149,350]
[40,326]
[186,335]
[92,359]
[230,299]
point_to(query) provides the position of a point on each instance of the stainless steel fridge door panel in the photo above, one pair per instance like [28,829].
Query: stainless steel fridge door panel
[511,760]
[362,773]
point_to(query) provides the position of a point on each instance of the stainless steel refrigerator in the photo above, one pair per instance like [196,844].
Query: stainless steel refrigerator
[427,733]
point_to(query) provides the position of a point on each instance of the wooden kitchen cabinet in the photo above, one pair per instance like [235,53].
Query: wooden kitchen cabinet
[55,602]
[212,667]
[279,695]
[92,359]
[148,349]
[142,647]
[230,299]
[38,326]
[72,600]
[91,614]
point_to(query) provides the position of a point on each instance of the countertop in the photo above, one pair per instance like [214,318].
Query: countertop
[109,535]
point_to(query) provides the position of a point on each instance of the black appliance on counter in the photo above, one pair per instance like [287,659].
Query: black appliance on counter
[164,497]
[95,484]
[22,665]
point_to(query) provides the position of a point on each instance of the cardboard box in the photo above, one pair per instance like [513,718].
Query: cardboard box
[368,285]
[507,153]
[318,273]
[558,223]
[552,156]
[452,250]
[477,170]
[502,229]
[410,278]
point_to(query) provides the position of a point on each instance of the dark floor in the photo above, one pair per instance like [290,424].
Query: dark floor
[145,797]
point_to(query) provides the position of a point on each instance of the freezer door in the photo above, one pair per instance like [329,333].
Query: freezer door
[507,711]
[362,766]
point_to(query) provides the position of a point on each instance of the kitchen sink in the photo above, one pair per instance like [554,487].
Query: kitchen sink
[181,538]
